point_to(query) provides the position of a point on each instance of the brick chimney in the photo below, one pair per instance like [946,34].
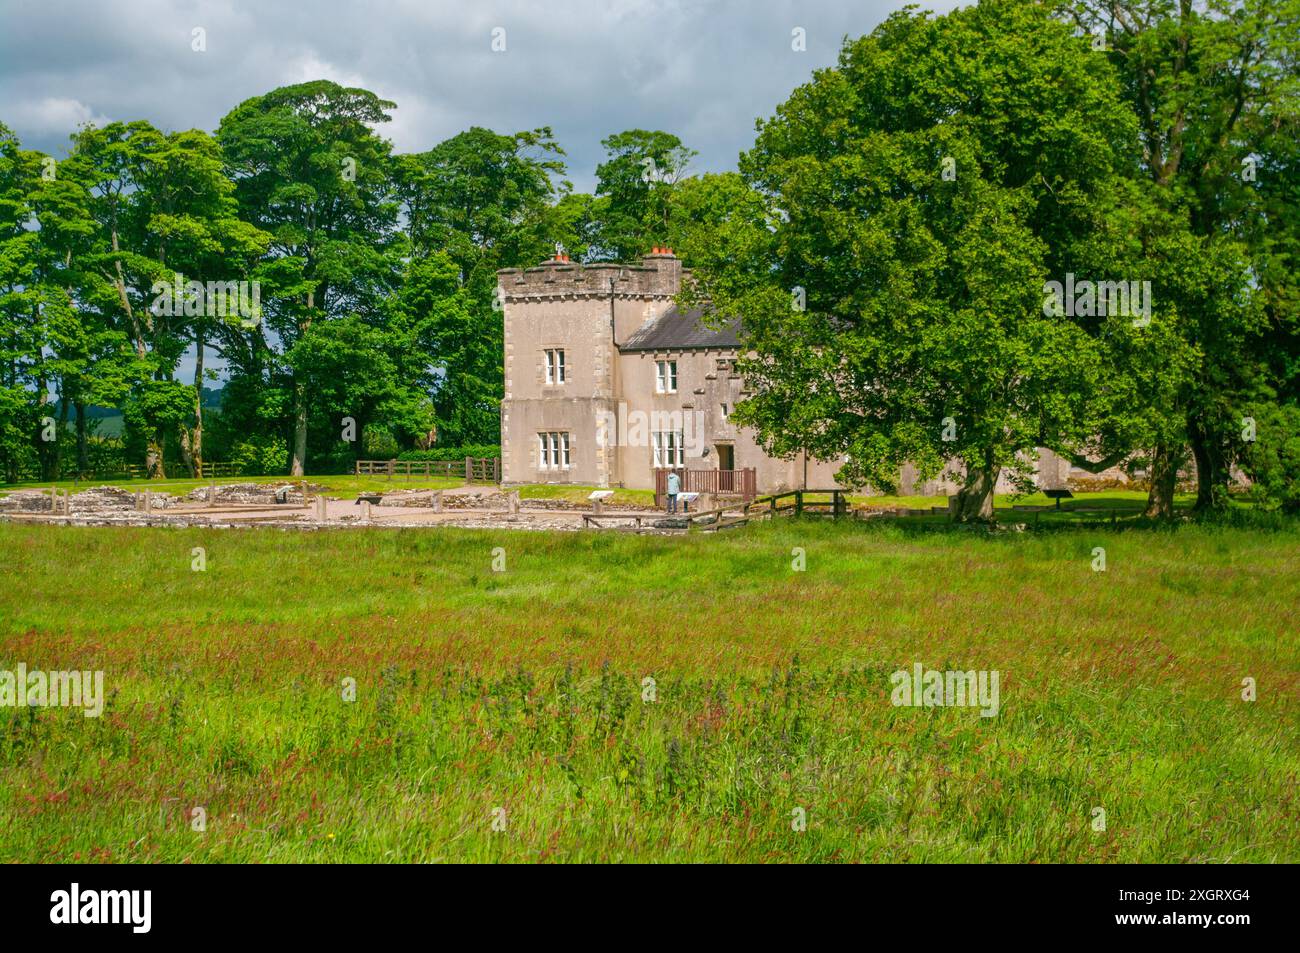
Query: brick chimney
[669,268]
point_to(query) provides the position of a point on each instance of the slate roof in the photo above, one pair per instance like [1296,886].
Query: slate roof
[674,331]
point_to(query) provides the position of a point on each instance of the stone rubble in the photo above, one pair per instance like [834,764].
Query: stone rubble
[471,508]
[493,500]
[249,493]
[95,500]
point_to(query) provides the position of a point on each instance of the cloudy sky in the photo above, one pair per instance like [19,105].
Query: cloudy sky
[703,69]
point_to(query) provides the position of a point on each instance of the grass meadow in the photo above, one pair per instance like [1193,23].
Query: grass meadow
[504,715]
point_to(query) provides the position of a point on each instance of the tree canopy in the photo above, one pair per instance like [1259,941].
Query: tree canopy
[1069,225]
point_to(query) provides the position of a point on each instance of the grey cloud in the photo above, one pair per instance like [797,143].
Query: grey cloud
[703,70]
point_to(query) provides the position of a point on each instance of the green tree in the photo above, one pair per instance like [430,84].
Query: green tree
[89,353]
[481,198]
[1213,86]
[310,170]
[476,203]
[121,268]
[919,195]
[634,186]
[190,217]
[23,376]
[440,335]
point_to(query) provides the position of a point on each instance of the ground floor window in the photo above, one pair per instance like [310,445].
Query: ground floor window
[670,449]
[553,450]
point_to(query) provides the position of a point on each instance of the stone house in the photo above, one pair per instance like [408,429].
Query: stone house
[608,383]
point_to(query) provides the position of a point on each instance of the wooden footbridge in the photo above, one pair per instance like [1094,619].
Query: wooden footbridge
[789,503]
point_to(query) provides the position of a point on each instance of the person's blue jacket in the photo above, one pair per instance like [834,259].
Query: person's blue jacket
[674,484]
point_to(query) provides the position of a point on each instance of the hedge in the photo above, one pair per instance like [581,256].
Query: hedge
[451,453]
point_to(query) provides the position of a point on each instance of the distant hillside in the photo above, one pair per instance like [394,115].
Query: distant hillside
[110,423]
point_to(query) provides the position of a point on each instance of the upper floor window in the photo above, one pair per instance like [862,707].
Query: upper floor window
[554,366]
[665,377]
[553,450]
[726,413]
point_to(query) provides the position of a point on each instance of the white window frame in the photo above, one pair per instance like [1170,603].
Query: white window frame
[553,358]
[666,377]
[553,450]
[669,449]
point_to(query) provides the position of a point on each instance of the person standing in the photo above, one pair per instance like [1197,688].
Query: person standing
[674,487]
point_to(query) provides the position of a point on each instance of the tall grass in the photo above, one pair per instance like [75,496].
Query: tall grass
[521,696]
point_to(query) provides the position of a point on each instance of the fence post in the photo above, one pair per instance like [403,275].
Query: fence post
[469,469]
[798,502]
[496,470]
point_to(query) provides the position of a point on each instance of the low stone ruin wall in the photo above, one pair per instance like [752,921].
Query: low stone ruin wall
[495,500]
[97,499]
[253,493]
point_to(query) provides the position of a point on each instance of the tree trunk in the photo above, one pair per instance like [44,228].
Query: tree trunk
[46,450]
[155,469]
[1164,478]
[63,426]
[153,459]
[196,443]
[183,441]
[299,466]
[975,498]
[1211,469]
[83,450]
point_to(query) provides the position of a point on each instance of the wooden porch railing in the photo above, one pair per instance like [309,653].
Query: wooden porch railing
[741,483]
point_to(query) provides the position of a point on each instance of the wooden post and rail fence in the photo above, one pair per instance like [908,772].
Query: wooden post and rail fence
[470,469]
[203,470]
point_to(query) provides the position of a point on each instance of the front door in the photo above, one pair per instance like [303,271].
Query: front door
[727,467]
